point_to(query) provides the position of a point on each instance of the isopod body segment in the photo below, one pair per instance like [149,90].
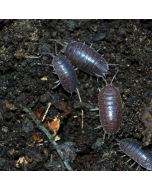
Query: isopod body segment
[135,150]
[110,108]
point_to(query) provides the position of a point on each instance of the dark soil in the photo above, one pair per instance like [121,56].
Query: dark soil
[27,78]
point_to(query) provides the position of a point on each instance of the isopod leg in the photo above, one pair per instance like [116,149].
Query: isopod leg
[132,164]
[138,168]
[56,50]
[123,156]
[117,140]
[53,40]
[78,81]
[57,82]
[56,86]
[105,81]
[98,127]
[98,77]
[104,136]
[95,109]
[99,89]
[128,160]
[114,77]
[112,64]
[113,146]
[109,135]
[46,53]
[62,50]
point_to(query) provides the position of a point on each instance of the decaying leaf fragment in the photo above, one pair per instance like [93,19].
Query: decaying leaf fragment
[51,125]
[36,138]
[54,125]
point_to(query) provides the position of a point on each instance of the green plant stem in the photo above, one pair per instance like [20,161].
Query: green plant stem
[42,128]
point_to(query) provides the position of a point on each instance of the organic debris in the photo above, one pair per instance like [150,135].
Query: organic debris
[30,81]
[46,132]
[36,138]
[21,160]
[10,106]
[55,124]
[40,113]
[147,120]
[80,102]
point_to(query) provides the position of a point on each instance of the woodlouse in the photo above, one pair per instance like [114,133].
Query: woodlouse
[136,151]
[65,72]
[85,58]
[110,108]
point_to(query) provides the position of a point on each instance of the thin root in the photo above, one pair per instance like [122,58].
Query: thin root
[80,101]
[49,104]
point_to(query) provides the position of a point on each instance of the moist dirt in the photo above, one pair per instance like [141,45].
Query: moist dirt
[27,78]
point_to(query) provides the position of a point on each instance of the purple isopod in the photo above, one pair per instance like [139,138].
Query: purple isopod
[135,150]
[110,108]
[85,58]
[65,72]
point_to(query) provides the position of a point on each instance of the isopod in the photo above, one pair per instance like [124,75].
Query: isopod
[65,72]
[110,108]
[85,58]
[136,151]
